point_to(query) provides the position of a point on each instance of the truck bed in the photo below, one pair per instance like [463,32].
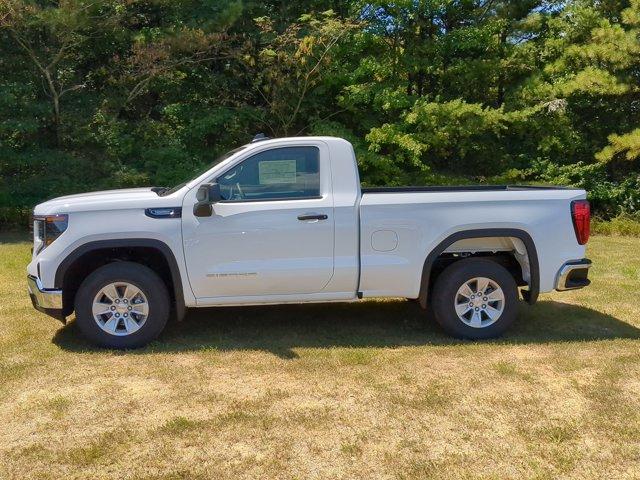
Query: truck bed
[398,223]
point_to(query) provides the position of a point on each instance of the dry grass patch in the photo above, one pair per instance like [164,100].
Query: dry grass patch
[336,391]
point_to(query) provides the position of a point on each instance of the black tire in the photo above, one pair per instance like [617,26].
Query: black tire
[150,284]
[443,298]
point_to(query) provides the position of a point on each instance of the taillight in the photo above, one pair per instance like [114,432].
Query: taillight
[581,216]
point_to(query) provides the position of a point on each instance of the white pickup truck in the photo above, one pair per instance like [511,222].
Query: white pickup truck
[285,221]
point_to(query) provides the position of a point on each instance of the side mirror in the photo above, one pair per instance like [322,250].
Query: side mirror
[207,195]
[209,192]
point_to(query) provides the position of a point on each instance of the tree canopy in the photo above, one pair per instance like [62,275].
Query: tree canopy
[112,93]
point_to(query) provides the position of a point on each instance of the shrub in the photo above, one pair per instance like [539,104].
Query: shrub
[624,224]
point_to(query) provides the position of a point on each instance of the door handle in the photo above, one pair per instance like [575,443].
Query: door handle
[312,216]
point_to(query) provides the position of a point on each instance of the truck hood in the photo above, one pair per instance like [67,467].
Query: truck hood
[107,199]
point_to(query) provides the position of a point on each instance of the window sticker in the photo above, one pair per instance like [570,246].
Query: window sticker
[277,171]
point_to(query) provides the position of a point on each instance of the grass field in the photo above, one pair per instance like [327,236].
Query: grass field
[330,391]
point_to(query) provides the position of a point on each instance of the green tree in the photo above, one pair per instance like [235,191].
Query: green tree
[288,67]
[428,91]
[53,38]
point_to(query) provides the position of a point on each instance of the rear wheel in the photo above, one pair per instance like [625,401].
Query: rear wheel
[122,305]
[475,298]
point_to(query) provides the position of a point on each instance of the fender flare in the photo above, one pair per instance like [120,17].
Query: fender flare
[162,247]
[530,295]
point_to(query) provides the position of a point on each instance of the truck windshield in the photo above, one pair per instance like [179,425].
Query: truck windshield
[162,191]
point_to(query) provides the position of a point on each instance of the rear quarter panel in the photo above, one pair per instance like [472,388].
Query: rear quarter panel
[421,220]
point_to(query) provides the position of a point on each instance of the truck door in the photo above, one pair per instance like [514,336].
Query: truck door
[273,232]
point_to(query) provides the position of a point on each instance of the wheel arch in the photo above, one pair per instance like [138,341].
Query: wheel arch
[86,250]
[530,295]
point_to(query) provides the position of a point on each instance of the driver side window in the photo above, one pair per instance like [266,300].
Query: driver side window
[276,174]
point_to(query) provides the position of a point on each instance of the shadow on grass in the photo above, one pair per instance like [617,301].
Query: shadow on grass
[280,329]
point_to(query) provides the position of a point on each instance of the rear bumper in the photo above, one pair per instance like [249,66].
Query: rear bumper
[45,300]
[573,275]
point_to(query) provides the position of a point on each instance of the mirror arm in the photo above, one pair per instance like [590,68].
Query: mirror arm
[202,209]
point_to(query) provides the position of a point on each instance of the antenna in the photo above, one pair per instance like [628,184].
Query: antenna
[259,137]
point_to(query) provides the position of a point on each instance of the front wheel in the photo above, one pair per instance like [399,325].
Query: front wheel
[122,305]
[475,298]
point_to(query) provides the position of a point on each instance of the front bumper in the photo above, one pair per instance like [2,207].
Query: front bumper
[573,275]
[45,300]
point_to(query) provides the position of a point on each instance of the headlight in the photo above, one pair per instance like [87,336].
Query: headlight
[46,228]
